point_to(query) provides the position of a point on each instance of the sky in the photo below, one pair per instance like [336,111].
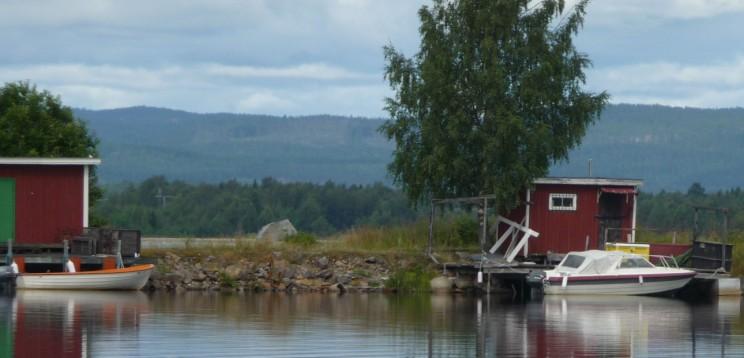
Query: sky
[292,57]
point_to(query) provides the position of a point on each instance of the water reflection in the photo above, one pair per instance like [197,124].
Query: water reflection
[105,324]
[64,323]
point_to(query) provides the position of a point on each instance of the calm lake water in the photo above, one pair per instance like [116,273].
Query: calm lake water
[107,324]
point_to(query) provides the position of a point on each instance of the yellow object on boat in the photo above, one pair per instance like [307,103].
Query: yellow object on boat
[638,249]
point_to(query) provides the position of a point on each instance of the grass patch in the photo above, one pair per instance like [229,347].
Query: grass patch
[301,239]
[656,237]
[413,279]
[227,281]
[450,233]
[361,273]
[408,241]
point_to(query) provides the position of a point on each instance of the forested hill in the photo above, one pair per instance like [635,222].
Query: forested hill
[669,148]
[141,142]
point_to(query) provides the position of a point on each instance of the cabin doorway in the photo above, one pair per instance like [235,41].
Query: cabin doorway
[611,208]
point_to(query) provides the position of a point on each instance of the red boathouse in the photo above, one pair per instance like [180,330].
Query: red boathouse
[574,214]
[43,200]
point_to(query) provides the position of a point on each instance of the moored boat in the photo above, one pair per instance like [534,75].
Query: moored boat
[128,278]
[597,272]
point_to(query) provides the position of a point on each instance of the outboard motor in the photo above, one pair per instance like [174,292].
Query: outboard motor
[535,278]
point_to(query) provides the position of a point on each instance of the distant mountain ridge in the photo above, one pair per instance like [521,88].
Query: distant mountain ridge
[667,147]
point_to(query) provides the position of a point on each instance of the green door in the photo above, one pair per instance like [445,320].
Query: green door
[7,209]
[6,336]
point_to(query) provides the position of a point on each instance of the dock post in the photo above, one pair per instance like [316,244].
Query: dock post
[724,239]
[9,254]
[429,249]
[119,260]
[488,285]
[65,255]
[695,226]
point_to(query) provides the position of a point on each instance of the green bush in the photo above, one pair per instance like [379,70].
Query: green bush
[301,239]
[416,279]
[227,281]
[466,230]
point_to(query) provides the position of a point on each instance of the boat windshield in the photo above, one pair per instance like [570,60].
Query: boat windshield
[573,261]
[634,262]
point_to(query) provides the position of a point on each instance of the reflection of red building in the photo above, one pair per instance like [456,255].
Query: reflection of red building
[43,199]
[572,213]
[47,324]
[41,333]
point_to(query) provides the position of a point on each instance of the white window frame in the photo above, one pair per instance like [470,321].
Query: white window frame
[573,198]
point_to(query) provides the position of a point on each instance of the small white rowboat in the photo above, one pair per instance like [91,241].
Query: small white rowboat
[128,278]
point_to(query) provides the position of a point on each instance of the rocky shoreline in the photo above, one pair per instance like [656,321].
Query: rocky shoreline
[274,273]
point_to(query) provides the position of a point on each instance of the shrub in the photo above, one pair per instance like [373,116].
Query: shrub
[415,279]
[227,281]
[301,239]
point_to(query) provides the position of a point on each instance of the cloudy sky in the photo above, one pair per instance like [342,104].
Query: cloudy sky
[325,56]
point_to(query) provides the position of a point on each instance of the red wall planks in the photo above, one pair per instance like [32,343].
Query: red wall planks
[564,231]
[49,201]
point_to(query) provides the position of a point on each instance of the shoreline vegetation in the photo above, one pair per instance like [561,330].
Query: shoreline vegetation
[360,260]
[251,266]
[389,259]
[345,226]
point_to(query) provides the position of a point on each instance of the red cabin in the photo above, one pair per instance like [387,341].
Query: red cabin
[574,214]
[43,200]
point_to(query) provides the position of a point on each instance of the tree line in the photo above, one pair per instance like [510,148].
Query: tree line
[158,206]
[674,211]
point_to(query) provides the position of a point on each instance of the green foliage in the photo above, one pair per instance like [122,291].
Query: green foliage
[227,280]
[35,123]
[674,211]
[491,99]
[414,279]
[466,229]
[361,273]
[158,206]
[301,239]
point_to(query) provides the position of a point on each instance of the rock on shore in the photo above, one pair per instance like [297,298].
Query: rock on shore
[273,273]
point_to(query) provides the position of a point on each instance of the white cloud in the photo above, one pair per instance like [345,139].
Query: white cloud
[317,71]
[626,12]
[300,89]
[706,85]
[272,56]
[263,102]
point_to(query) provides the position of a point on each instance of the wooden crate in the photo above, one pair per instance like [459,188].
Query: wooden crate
[130,242]
[83,245]
[106,241]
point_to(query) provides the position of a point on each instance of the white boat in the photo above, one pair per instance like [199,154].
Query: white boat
[597,272]
[128,278]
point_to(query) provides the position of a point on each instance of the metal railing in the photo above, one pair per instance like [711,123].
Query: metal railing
[665,261]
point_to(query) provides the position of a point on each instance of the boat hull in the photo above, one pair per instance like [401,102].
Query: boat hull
[616,285]
[130,278]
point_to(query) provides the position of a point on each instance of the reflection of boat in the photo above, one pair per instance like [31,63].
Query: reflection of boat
[90,301]
[128,278]
[597,272]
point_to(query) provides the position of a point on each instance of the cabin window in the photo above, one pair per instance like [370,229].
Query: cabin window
[634,262]
[566,202]
[573,261]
